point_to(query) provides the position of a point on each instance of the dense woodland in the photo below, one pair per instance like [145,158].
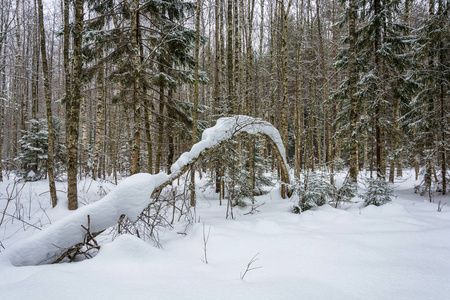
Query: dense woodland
[110,88]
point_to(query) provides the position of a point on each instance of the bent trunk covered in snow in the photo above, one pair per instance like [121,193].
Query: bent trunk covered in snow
[132,195]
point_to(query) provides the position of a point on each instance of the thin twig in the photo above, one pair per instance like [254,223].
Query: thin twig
[249,266]
[254,209]
[205,241]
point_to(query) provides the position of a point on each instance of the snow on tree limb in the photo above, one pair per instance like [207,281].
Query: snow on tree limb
[132,195]
[225,129]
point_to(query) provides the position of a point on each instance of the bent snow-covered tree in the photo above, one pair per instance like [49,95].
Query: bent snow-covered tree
[132,195]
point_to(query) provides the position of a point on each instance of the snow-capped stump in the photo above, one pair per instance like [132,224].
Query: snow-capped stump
[133,194]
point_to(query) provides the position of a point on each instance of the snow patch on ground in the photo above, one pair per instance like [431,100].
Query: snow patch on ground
[396,251]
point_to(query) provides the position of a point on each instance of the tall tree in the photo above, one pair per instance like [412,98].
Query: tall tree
[48,104]
[230,60]
[137,91]
[73,108]
[4,26]
[196,83]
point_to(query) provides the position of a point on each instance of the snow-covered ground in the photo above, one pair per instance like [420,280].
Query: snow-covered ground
[397,251]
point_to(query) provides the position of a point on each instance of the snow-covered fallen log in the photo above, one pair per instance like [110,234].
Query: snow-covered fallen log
[133,195]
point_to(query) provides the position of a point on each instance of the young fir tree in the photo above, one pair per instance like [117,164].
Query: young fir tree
[33,153]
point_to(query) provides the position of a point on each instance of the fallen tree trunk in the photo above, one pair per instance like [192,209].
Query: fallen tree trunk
[132,195]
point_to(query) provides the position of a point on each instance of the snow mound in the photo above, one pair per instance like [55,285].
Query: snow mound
[127,247]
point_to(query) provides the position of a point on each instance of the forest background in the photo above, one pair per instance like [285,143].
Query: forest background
[106,89]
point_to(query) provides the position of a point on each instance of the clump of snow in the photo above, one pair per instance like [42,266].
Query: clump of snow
[31,175]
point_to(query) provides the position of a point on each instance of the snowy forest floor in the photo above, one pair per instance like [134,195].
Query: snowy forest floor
[397,251]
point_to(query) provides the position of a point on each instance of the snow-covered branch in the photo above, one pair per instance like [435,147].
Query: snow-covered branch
[133,194]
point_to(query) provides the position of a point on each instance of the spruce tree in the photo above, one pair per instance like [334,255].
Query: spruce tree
[429,117]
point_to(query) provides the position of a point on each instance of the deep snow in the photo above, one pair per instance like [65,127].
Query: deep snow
[397,251]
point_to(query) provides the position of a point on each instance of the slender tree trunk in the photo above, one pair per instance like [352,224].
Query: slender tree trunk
[299,102]
[137,95]
[99,117]
[230,63]
[379,106]
[329,121]
[273,65]
[284,110]
[48,104]
[217,83]
[160,121]
[237,61]
[21,68]
[66,45]
[74,108]
[352,80]
[258,109]
[196,83]
[248,92]
[35,86]
[170,133]
[147,114]
[114,142]
[394,143]
[4,22]
[84,157]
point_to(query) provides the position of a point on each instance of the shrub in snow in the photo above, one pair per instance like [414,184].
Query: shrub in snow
[32,155]
[313,191]
[346,192]
[233,160]
[378,191]
[430,187]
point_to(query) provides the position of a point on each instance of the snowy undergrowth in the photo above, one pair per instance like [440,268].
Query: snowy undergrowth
[395,251]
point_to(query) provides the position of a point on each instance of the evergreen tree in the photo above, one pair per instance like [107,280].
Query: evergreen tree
[429,118]
[33,153]
[377,61]
[378,191]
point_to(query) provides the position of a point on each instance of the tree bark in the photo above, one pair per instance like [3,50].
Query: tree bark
[217,83]
[74,109]
[137,95]
[4,23]
[48,104]
[230,63]
[352,80]
[147,113]
[299,101]
[99,117]
[284,109]
[196,83]
[160,121]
